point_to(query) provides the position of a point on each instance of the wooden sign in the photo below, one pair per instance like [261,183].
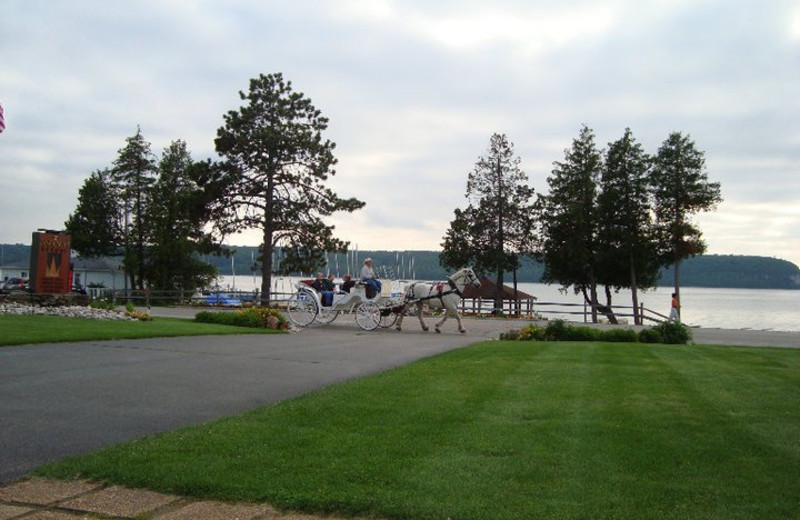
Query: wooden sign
[50,253]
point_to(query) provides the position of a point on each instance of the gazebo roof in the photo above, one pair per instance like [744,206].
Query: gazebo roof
[488,291]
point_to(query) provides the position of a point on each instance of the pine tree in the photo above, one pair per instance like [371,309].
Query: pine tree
[95,226]
[680,189]
[177,218]
[273,177]
[133,175]
[569,219]
[628,251]
[495,230]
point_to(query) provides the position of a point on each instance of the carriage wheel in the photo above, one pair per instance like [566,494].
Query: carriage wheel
[388,320]
[302,309]
[368,315]
[326,315]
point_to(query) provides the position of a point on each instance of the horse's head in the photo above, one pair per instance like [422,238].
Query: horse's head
[465,277]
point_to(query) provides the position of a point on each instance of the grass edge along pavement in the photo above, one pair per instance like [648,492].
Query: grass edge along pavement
[25,329]
[504,430]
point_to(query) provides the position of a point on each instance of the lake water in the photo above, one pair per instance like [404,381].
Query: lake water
[758,309]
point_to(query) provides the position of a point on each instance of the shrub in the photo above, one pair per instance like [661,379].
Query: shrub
[669,332]
[620,336]
[140,315]
[650,336]
[510,335]
[105,305]
[532,333]
[559,330]
[556,330]
[674,333]
[254,317]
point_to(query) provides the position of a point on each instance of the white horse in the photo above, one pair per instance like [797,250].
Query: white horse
[443,295]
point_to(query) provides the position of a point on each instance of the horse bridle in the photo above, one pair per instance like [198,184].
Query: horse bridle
[455,288]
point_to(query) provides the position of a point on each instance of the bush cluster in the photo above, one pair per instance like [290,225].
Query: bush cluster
[254,317]
[559,330]
[670,332]
[105,305]
[140,315]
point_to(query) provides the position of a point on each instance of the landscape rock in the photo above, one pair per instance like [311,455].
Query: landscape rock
[69,311]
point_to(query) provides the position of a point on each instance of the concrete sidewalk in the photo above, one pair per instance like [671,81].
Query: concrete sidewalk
[42,499]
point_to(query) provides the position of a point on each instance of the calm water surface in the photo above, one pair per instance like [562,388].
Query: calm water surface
[759,309]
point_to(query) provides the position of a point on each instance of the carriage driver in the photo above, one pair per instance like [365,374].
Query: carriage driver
[368,276]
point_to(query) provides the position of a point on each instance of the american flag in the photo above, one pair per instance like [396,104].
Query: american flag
[2,120]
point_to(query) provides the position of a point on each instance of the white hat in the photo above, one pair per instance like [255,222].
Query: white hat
[367,260]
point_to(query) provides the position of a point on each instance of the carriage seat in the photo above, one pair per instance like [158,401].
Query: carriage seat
[309,284]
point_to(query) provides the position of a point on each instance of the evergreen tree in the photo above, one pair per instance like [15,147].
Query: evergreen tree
[569,219]
[95,225]
[273,177]
[495,230]
[628,252]
[177,220]
[680,189]
[133,175]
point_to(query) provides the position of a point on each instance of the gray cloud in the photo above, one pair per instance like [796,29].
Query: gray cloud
[413,91]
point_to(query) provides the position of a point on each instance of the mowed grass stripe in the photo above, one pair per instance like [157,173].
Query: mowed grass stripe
[505,430]
[28,329]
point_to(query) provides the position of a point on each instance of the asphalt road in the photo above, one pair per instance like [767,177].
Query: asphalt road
[58,400]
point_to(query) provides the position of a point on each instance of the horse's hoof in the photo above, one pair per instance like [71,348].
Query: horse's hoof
[425,329]
[397,328]
[438,331]
[463,331]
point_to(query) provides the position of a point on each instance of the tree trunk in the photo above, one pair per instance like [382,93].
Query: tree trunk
[593,294]
[267,249]
[637,319]
[517,310]
[607,309]
[498,299]
[678,286]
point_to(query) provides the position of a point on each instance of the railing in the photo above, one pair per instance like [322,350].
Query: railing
[529,308]
[148,298]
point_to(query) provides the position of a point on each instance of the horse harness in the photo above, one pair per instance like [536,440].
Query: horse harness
[440,292]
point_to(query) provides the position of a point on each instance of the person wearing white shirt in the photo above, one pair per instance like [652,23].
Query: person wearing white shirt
[368,276]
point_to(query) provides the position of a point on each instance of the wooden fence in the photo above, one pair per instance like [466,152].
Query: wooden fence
[528,308]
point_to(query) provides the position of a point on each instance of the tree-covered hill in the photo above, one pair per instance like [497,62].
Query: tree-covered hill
[734,271]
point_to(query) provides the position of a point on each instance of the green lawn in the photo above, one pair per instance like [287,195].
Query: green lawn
[21,330]
[505,430]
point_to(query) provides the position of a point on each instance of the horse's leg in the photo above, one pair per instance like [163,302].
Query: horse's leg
[461,328]
[419,315]
[450,309]
[438,326]
[399,324]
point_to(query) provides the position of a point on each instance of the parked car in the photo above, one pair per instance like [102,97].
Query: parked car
[14,284]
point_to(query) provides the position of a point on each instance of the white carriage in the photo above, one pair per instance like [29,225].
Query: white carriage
[381,310]
[305,307]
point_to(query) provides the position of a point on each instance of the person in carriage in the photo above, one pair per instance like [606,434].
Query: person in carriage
[347,284]
[368,277]
[325,287]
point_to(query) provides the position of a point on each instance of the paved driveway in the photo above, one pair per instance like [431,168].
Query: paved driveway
[63,399]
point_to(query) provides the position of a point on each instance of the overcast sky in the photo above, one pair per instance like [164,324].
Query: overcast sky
[413,91]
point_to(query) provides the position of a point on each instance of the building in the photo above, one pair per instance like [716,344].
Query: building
[86,273]
[97,273]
